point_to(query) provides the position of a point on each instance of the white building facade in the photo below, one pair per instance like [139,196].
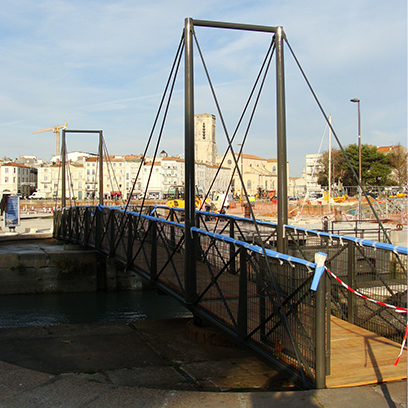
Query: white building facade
[16,178]
[258,174]
[311,171]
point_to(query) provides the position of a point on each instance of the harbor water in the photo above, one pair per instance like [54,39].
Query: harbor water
[87,307]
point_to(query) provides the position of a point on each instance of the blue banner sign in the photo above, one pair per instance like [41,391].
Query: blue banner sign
[12,215]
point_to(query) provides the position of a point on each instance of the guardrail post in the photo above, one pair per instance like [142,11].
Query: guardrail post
[321,333]
[172,243]
[87,228]
[98,237]
[69,223]
[328,325]
[153,254]
[112,233]
[243,291]
[76,224]
[351,278]
[233,269]
[129,254]
[63,224]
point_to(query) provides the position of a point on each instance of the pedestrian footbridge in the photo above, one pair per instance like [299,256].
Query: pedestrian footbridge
[233,278]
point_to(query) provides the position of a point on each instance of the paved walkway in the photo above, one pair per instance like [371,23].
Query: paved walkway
[150,364]
[153,364]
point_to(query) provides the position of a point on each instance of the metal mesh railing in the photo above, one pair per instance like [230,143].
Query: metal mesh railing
[269,307]
[261,299]
[256,295]
[376,270]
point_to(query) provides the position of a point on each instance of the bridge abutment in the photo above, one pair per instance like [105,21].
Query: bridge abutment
[44,266]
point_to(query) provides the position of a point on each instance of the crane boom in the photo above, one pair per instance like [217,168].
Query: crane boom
[56,130]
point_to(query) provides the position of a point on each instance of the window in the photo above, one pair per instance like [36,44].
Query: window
[249,184]
[6,179]
[203,131]
[6,170]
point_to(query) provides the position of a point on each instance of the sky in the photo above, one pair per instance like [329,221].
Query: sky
[103,65]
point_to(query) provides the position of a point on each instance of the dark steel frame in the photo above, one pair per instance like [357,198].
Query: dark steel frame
[189,138]
[154,247]
[63,163]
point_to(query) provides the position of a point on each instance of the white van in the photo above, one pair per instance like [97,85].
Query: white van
[37,195]
[220,199]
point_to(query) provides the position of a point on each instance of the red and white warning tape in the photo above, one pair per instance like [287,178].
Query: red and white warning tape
[396,308]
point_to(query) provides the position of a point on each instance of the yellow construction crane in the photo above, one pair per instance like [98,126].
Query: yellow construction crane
[56,130]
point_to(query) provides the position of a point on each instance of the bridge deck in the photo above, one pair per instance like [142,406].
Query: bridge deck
[360,357]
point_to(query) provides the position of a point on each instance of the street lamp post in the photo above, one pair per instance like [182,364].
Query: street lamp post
[360,208]
[242,167]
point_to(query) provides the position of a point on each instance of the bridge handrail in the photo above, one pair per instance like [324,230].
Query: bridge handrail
[146,216]
[358,241]
[257,249]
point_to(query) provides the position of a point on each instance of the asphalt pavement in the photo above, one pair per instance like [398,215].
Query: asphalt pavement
[154,364]
[151,364]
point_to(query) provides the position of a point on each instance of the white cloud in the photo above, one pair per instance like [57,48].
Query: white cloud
[104,64]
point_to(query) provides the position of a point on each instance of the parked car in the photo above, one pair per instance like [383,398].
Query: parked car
[316,197]
[37,195]
[153,196]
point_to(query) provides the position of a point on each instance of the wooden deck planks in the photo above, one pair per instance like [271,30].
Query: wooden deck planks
[360,357]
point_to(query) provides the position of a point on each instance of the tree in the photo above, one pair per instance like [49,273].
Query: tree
[375,167]
[337,173]
[398,162]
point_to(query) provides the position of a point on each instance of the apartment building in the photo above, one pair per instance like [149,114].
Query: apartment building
[17,178]
[257,172]
[311,171]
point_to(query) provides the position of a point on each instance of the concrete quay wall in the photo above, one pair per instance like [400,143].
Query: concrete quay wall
[46,266]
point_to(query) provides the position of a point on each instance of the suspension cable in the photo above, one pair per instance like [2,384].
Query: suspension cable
[173,72]
[338,141]
[112,180]
[236,159]
[275,284]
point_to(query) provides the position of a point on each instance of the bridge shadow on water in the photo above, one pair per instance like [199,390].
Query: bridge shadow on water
[87,307]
